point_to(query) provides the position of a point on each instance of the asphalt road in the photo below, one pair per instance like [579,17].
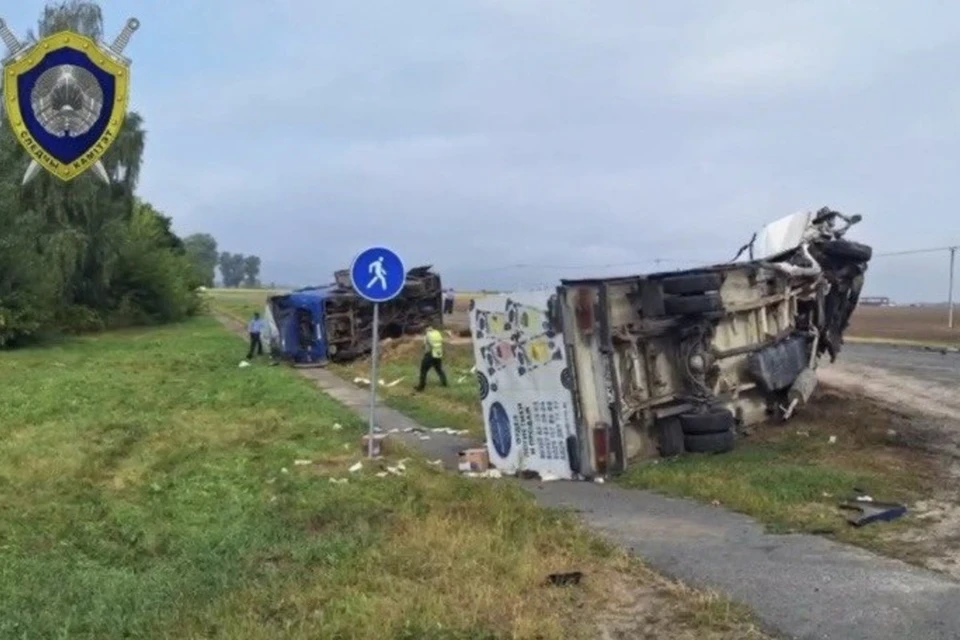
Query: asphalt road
[927,366]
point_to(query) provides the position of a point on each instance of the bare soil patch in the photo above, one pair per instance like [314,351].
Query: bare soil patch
[911,324]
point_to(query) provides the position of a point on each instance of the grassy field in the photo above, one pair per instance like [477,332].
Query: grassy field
[149,488]
[922,325]
[239,303]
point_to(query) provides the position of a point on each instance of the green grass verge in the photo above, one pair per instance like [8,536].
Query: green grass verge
[792,477]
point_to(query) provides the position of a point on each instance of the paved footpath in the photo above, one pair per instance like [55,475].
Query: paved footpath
[799,586]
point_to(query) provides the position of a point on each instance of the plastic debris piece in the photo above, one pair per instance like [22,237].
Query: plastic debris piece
[302,463]
[568,579]
[832,440]
[356,467]
[870,511]
[381,474]
[284,470]
[337,426]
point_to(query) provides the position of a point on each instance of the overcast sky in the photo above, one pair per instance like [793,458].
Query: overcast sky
[478,134]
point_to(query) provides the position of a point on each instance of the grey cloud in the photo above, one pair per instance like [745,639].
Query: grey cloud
[485,133]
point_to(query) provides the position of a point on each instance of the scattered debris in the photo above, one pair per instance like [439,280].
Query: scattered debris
[868,511]
[570,578]
[450,432]
[548,477]
[356,467]
[805,434]
[436,463]
[489,473]
[832,440]
[338,481]
[598,480]
[337,426]
[302,463]
[381,474]
[473,460]
[243,363]
[284,470]
[472,372]
[424,436]
[365,382]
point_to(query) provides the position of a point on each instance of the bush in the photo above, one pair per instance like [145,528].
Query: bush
[151,283]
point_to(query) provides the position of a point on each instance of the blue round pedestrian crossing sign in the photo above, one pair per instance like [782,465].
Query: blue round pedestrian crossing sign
[378,274]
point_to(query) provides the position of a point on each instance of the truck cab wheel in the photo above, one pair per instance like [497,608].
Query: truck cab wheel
[714,420]
[669,437]
[710,443]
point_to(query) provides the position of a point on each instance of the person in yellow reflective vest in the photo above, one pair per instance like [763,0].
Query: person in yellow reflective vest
[432,357]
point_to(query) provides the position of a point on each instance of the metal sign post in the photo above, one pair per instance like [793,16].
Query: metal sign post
[377,275]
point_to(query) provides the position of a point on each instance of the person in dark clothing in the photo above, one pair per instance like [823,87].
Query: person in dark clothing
[448,300]
[254,329]
[432,358]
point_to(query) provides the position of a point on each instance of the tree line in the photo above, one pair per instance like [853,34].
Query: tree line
[84,255]
[236,269]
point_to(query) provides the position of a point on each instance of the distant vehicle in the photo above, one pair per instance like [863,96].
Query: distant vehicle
[667,363]
[317,325]
[875,301]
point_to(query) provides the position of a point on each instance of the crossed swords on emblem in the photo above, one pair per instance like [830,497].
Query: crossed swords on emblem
[17,49]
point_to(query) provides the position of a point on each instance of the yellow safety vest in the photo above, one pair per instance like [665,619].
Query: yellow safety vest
[434,342]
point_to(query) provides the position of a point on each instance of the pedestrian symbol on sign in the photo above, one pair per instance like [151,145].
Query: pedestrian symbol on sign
[379,274]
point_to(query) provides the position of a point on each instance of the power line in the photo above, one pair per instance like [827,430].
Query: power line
[674,260]
[914,251]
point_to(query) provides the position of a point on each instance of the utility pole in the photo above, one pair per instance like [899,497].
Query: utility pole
[953,256]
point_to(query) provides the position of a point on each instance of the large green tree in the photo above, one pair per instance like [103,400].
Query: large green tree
[231,269]
[202,252]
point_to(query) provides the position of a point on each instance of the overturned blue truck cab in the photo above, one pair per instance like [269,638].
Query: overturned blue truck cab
[330,323]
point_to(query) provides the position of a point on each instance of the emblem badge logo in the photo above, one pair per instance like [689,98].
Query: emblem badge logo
[65,97]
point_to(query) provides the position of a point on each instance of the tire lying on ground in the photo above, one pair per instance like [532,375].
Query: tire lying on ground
[670,437]
[847,250]
[714,420]
[710,443]
[692,305]
[691,283]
